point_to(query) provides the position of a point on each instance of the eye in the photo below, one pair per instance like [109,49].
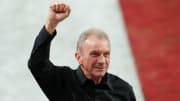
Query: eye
[94,54]
[107,54]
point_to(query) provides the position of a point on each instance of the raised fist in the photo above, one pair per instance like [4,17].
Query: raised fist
[57,13]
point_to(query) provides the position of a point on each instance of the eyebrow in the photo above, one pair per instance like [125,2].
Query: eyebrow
[96,52]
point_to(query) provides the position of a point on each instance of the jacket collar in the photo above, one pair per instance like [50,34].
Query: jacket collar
[105,84]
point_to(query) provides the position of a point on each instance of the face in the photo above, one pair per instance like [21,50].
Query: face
[94,57]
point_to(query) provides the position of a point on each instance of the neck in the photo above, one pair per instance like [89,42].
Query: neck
[97,80]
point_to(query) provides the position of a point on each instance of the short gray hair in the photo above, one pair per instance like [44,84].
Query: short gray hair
[92,31]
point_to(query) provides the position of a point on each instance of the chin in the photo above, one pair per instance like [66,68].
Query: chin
[100,74]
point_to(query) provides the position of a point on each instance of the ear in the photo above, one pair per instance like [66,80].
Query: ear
[78,57]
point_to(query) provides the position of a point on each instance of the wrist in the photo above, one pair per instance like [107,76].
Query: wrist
[50,27]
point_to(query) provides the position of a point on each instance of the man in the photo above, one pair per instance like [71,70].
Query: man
[90,82]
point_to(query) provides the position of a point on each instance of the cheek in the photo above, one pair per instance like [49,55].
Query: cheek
[108,60]
[91,62]
[87,61]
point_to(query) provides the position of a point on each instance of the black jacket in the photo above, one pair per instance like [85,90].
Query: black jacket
[61,83]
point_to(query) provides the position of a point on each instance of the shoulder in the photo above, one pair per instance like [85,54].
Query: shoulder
[122,87]
[118,83]
[63,69]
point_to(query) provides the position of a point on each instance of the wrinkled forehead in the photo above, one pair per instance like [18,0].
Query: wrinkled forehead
[96,43]
[96,39]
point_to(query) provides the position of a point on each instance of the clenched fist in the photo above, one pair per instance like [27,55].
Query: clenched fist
[57,13]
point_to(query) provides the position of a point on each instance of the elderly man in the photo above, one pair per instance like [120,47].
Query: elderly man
[90,81]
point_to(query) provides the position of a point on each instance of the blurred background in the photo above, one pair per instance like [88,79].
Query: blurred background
[154,36]
[144,37]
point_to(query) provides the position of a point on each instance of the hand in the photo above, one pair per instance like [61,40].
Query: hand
[57,13]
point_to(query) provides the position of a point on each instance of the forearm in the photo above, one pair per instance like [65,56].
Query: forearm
[50,26]
[41,49]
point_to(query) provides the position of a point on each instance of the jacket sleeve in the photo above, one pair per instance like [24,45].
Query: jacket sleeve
[132,96]
[39,64]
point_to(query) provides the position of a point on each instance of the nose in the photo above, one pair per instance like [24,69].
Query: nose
[101,59]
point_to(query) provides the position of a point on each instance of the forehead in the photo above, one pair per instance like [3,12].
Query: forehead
[96,43]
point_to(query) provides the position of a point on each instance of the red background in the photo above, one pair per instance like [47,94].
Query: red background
[153,28]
